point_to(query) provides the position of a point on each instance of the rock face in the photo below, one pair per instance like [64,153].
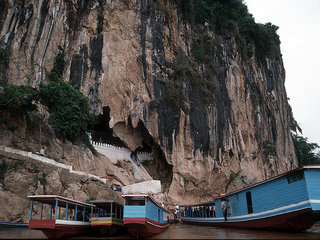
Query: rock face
[121,55]
[147,187]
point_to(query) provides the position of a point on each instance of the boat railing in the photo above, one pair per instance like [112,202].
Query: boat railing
[55,208]
[105,214]
[200,211]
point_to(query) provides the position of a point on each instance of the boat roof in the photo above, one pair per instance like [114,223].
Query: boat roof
[102,203]
[51,199]
[147,196]
[253,185]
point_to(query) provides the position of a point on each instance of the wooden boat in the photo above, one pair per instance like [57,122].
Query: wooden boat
[107,217]
[64,217]
[290,202]
[143,216]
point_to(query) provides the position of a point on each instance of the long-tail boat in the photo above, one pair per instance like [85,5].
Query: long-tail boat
[289,202]
[59,217]
[107,217]
[143,216]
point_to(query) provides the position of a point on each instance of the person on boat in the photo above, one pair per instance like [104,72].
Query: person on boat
[224,208]
[177,210]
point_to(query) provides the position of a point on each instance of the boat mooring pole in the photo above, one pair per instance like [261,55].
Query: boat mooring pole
[67,211]
[51,212]
[41,210]
[75,212]
[31,209]
[56,209]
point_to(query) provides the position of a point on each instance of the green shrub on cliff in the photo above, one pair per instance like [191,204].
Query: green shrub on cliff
[69,109]
[230,18]
[269,148]
[202,79]
[15,100]
[58,66]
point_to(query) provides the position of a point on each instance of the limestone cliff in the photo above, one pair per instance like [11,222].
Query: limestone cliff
[128,57]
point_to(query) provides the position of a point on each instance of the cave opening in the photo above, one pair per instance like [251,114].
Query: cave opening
[158,168]
[101,131]
[137,140]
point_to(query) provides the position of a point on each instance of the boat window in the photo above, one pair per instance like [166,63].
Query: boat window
[158,215]
[134,202]
[249,202]
[297,176]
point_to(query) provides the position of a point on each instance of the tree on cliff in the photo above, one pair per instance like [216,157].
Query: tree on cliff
[69,108]
[305,151]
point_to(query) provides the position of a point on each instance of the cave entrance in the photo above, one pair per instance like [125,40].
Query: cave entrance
[138,140]
[158,167]
[102,133]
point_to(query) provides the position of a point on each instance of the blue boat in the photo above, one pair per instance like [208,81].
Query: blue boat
[288,202]
[143,216]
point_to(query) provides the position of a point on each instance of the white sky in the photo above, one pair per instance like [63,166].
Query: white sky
[299,31]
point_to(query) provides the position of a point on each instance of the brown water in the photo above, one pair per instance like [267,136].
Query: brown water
[181,231]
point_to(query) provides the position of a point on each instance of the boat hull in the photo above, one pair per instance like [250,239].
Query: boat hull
[51,229]
[143,227]
[107,227]
[293,221]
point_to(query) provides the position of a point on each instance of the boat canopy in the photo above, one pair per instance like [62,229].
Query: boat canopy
[51,200]
[133,196]
[105,203]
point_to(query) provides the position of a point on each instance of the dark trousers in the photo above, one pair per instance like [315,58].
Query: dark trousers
[225,214]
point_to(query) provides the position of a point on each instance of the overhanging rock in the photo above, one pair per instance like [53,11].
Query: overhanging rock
[147,187]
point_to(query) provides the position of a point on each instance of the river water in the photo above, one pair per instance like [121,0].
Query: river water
[181,231]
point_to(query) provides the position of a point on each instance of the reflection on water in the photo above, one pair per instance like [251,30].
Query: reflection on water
[181,231]
[20,233]
[184,231]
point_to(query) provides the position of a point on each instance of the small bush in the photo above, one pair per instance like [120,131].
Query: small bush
[233,175]
[16,100]
[269,148]
[255,97]
[89,200]
[153,104]
[185,180]
[185,72]
[43,180]
[58,66]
